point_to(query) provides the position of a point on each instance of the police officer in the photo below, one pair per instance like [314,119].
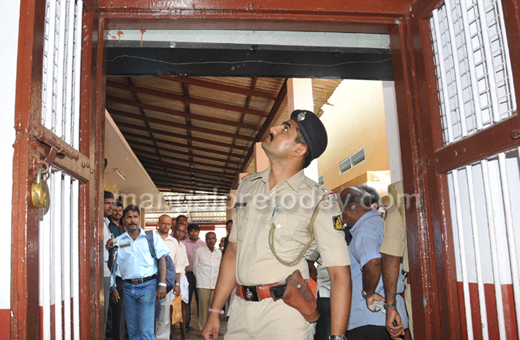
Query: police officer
[281,201]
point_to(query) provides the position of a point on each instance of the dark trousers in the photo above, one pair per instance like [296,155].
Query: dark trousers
[323,323]
[118,313]
[368,332]
[192,289]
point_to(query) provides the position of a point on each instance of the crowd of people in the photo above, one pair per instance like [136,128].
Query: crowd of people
[286,229]
[138,304]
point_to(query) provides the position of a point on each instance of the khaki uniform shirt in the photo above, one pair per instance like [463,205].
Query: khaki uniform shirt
[289,206]
[395,239]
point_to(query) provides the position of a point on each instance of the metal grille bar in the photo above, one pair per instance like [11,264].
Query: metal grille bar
[59,253]
[472,66]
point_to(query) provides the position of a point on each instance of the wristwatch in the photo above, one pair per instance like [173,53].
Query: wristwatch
[337,337]
[365,295]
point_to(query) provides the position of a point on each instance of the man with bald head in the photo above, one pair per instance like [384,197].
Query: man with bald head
[162,326]
[206,264]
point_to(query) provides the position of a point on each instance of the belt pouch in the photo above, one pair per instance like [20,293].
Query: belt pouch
[298,294]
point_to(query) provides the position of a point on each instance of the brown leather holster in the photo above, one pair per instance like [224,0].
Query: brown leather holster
[298,294]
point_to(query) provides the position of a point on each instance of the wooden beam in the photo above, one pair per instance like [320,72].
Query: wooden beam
[170,173]
[274,115]
[221,87]
[178,126]
[144,159]
[188,185]
[176,135]
[187,99]
[206,179]
[140,152]
[180,145]
[182,114]
[473,149]
[183,153]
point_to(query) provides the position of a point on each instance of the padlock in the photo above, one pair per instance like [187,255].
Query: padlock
[40,191]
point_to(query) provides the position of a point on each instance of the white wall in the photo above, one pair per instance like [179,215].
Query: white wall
[9,17]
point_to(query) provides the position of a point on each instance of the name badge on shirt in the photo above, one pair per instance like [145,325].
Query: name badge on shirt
[240,204]
[337,222]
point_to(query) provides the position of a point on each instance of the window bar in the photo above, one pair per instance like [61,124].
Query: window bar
[489,61]
[463,261]
[57,272]
[494,250]
[45,264]
[458,81]
[472,67]
[505,47]
[59,46]
[47,70]
[74,226]
[76,78]
[510,234]
[478,254]
[65,254]
[67,74]
[443,71]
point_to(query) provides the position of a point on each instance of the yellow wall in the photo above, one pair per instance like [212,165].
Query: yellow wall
[356,119]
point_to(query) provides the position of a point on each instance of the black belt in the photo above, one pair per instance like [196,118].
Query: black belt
[259,293]
[138,281]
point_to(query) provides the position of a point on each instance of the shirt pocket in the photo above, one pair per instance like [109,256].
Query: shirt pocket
[286,245]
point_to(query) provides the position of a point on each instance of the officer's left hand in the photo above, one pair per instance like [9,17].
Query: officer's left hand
[161,292]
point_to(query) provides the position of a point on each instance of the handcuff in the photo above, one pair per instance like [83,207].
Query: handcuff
[337,337]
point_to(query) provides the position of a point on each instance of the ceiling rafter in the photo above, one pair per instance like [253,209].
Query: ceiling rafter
[175,175]
[187,99]
[188,169]
[180,145]
[179,126]
[186,184]
[176,135]
[274,115]
[140,152]
[188,187]
[221,87]
[194,176]
[141,105]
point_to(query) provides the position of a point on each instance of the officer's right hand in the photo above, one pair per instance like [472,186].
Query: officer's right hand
[212,327]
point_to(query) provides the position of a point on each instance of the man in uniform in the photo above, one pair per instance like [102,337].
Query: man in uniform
[280,201]
[393,248]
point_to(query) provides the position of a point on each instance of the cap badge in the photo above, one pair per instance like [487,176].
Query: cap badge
[301,116]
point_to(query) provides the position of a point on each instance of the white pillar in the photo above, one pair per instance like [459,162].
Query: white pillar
[299,94]
[392,132]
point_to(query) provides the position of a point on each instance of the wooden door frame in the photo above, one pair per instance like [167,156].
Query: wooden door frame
[87,166]
[429,231]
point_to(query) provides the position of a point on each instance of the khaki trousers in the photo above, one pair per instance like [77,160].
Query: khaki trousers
[267,320]
[205,298]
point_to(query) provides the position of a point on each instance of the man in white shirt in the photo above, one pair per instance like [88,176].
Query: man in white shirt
[180,232]
[107,211]
[162,326]
[206,264]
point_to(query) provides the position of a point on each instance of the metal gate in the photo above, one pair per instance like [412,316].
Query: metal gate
[56,262]
[475,92]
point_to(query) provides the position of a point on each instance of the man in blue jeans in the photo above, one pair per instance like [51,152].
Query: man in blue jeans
[140,274]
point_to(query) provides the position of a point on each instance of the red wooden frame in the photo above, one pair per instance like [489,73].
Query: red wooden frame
[435,298]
